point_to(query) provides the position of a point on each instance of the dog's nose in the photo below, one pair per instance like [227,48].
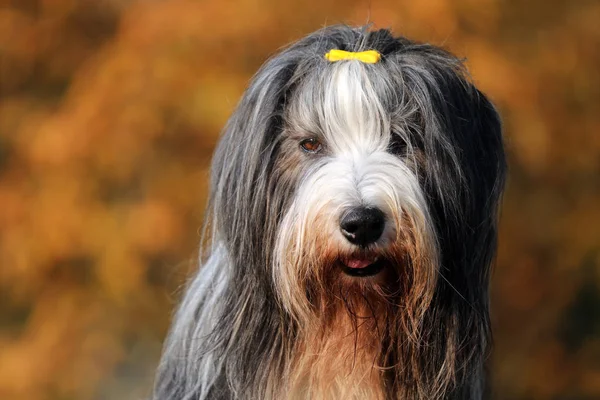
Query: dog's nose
[363,225]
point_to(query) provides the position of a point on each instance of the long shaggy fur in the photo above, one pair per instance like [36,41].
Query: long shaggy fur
[269,315]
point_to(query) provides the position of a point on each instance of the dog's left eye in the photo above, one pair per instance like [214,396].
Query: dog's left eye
[311,145]
[397,145]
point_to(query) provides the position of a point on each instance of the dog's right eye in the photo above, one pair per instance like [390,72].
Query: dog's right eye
[311,145]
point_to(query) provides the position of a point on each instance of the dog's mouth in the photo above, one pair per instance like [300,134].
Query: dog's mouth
[362,267]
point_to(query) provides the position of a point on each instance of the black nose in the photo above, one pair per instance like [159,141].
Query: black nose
[363,225]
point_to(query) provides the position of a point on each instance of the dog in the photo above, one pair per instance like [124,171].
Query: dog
[351,227]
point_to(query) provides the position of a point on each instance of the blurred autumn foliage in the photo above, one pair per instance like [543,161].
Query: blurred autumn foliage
[109,111]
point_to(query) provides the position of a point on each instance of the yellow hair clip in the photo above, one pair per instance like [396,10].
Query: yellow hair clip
[369,56]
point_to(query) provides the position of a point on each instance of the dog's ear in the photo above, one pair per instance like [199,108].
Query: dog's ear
[472,179]
[469,232]
[244,155]
[471,182]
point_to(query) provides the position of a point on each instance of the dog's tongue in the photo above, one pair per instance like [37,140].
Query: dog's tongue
[359,263]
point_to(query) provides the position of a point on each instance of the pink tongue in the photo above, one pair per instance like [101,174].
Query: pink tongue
[356,263]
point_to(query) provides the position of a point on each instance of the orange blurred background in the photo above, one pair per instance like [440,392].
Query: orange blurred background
[109,112]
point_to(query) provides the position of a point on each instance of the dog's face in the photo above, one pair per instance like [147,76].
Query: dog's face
[359,219]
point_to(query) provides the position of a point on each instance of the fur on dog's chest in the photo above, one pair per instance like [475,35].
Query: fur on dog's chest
[344,363]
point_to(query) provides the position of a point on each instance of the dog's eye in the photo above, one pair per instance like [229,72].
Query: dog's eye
[397,145]
[311,145]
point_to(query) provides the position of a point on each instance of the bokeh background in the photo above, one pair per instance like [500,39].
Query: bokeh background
[109,112]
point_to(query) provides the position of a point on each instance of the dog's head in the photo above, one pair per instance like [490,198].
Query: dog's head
[364,183]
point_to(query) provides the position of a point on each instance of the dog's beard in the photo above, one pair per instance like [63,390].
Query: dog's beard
[357,310]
